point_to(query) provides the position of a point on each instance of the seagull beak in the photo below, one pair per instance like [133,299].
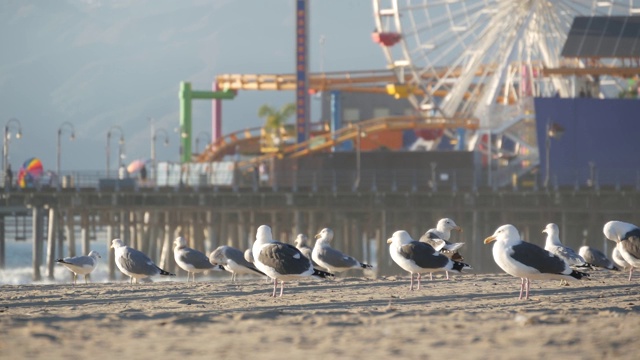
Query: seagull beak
[490,239]
[544,231]
[458,228]
[317,236]
[389,241]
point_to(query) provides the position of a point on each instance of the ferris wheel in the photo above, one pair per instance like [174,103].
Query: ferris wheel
[482,58]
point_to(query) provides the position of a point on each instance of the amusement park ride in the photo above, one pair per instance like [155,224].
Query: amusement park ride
[469,68]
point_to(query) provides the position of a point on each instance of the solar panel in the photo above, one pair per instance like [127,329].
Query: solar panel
[603,37]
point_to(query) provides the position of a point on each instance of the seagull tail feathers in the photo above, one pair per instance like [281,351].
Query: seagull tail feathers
[256,271]
[579,275]
[459,266]
[322,274]
[366,266]
[166,273]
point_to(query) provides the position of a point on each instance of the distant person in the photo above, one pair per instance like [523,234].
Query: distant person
[8,177]
[143,173]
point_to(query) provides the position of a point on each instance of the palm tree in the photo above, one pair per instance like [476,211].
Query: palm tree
[276,119]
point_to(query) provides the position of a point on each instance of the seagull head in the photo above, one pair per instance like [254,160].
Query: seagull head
[301,240]
[325,234]
[399,238]
[217,257]
[117,243]
[248,255]
[505,233]
[447,224]
[264,234]
[94,254]
[553,234]
[619,230]
[180,242]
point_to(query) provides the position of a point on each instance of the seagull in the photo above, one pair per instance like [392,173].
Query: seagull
[439,239]
[627,238]
[82,265]
[331,259]
[301,244]
[418,257]
[134,263]
[527,261]
[596,258]
[281,261]
[554,246]
[233,261]
[191,260]
[618,259]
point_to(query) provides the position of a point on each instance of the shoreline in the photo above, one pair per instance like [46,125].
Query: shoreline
[474,315]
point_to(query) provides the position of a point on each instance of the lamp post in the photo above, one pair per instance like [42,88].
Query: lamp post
[7,137]
[72,137]
[207,138]
[153,147]
[120,146]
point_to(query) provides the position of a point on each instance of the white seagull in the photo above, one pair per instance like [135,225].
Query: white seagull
[596,258]
[331,259]
[191,260]
[233,261]
[527,261]
[627,238]
[135,263]
[82,265]
[281,262]
[418,257]
[553,245]
[618,259]
[439,239]
[301,243]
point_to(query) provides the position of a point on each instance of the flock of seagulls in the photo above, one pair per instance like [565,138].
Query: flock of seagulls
[284,262]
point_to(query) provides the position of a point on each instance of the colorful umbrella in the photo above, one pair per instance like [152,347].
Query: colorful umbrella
[29,173]
[136,165]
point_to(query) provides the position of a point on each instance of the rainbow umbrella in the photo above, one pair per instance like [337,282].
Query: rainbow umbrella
[29,173]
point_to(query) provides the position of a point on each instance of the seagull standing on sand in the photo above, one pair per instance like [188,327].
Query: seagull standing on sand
[331,259]
[233,261]
[418,257]
[596,258]
[82,265]
[627,238]
[134,263]
[301,243]
[191,260]
[439,239]
[527,261]
[281,261]
[554,246]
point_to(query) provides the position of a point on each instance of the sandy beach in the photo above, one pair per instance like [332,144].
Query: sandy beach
[471,316]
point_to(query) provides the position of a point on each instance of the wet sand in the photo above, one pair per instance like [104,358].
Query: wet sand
[473,316]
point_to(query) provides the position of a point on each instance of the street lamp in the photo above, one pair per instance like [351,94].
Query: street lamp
[207,138]
[120,146]
[153,147]
[552,131]
[72,137]
[7,137]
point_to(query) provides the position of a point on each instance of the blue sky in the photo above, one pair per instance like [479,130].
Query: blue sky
[98,64]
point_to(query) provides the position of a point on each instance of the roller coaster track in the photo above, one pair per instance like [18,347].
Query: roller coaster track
[327,140]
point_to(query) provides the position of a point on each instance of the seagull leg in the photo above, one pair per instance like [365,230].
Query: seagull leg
[446,272]
[411,284]
[75,276]
[521,288]
[431,276]
[281,288]
[527,290]
[630,273]
[275,286]
[86,276]
[419,275]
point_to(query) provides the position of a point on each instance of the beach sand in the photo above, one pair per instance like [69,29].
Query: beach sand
[473,316]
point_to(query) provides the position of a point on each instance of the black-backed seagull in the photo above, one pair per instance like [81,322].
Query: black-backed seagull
[439,239]
[81,265]
[135,263]
[281,262]
[233,261]
[191,260]
[331,259]
[527,261]
[418,257]
[627,238]
[596,258]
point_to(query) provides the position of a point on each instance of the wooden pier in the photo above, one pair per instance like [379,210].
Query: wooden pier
[149,219]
